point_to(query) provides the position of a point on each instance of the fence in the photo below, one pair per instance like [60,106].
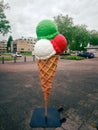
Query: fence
[18,59]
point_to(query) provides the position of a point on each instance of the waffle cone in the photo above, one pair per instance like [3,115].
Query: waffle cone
[47,70]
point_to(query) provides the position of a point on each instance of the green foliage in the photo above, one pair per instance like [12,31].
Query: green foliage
[72,57]
[4,23]
[10,39]
[94,37]
[77,36]
[81,38]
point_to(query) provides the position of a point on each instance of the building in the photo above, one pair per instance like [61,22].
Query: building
[23,45]
[3,46]
[93,49]
[13,46]
[31,42]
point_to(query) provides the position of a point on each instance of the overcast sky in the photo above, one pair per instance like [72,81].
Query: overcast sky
[24,15]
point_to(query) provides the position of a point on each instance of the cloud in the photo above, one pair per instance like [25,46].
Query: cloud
[24,15]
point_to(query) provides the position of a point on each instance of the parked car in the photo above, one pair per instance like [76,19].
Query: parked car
[86,54]
[17,54]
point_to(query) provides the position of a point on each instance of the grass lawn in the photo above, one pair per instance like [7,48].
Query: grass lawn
[27,54]
[6,58]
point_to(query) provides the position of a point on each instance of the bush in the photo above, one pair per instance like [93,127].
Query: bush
[72,57]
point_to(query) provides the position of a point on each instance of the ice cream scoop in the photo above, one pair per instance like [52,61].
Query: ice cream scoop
[44,49]
[46,29]
[59,43]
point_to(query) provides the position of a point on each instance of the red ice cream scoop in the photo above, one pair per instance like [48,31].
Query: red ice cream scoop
[59,43]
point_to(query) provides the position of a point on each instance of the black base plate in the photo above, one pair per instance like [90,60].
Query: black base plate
[38,118]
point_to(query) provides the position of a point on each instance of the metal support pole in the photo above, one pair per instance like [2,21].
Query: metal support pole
[24,58]
[3,60]
[14,59]
[33,57]
[46,110]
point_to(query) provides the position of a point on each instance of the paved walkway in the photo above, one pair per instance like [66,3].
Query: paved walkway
[75,88]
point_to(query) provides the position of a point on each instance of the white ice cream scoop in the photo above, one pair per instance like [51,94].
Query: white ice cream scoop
[44,49]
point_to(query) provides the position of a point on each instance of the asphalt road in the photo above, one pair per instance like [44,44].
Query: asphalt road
[75,88]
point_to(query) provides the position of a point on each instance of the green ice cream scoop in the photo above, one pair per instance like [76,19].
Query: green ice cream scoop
[46,29]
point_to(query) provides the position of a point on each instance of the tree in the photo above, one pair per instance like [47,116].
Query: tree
[4,23]
[65,24]
[81,37]
[77,36]
[93,37]
[10,39]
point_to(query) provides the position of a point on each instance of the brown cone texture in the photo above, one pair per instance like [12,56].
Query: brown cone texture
[47,70]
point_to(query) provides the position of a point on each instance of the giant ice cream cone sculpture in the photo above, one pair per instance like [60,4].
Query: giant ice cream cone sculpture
[47,70]
[47,49]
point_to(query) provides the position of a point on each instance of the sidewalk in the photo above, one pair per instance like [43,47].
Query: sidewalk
[75,88]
